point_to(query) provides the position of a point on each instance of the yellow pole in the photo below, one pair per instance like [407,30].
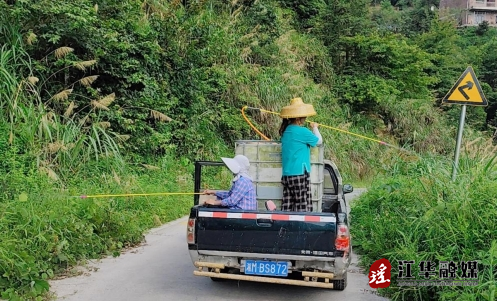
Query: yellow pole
[136,194]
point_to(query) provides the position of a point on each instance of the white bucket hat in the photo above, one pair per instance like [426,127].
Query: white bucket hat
[239,165]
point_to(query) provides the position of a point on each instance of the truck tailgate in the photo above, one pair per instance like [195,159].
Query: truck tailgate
[291,233]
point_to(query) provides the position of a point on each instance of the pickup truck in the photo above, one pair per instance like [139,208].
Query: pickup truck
[295,248]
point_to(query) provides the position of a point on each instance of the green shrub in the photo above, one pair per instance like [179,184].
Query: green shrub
[418,214]
[44,232]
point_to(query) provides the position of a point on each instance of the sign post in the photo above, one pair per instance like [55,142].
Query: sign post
[466,91]
[458,142]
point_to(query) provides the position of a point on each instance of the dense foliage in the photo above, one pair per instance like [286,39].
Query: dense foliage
[416,214]
[132,92]
[46,233]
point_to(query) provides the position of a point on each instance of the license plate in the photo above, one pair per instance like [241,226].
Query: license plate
[266,268]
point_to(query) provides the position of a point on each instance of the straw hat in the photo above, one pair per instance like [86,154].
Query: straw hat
[297,108]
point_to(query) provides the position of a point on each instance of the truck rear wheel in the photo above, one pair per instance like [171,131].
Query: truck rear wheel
[217,279]
[340,285]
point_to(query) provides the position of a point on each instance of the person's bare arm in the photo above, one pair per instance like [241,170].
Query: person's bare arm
[213,202]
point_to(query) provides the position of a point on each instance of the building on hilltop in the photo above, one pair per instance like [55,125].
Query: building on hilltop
[470,12]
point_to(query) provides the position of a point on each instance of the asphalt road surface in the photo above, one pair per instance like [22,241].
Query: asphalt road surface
[161,269]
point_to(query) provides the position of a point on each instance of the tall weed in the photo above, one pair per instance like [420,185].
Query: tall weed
[46,127]
[45,232]
[420,214]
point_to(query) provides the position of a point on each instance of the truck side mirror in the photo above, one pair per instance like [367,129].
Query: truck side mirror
[347,188]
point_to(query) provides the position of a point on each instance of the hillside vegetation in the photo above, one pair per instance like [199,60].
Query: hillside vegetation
[110,96]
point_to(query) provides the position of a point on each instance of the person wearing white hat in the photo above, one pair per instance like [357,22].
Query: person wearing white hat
[242,193]
[296,142]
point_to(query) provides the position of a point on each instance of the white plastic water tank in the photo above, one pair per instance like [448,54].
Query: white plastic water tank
[265,170]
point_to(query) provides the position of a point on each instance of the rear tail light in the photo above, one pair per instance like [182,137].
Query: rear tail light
[342,241]
[190,231]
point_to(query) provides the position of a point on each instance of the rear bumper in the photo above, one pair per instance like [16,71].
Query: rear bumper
[337,266]
[326,284]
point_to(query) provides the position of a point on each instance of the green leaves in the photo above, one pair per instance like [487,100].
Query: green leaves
[403,220]
[40,286]
[381,67]
[51,232]
[23,197]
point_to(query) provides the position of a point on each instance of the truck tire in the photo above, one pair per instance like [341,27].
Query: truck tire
[217,279]
[340,285]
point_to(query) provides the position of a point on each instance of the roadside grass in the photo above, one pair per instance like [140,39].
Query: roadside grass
[417,213]
[45,232]
[359,183]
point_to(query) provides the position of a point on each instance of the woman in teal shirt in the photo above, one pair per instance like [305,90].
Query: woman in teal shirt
[296,142]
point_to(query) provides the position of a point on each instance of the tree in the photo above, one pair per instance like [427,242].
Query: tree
[340,19]
[332,20]
[418,18]
[386,17]
[448,58]
[381,67]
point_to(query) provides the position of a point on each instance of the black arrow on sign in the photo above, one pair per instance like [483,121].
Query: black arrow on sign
[469,86]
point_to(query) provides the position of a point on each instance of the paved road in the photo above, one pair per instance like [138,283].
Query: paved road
[161,269]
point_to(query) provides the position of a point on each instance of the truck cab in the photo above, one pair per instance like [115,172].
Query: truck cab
[270,245]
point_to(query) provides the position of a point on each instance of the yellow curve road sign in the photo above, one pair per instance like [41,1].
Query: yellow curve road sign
[466,91]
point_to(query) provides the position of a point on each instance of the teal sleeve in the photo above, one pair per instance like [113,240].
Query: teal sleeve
[308,137]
